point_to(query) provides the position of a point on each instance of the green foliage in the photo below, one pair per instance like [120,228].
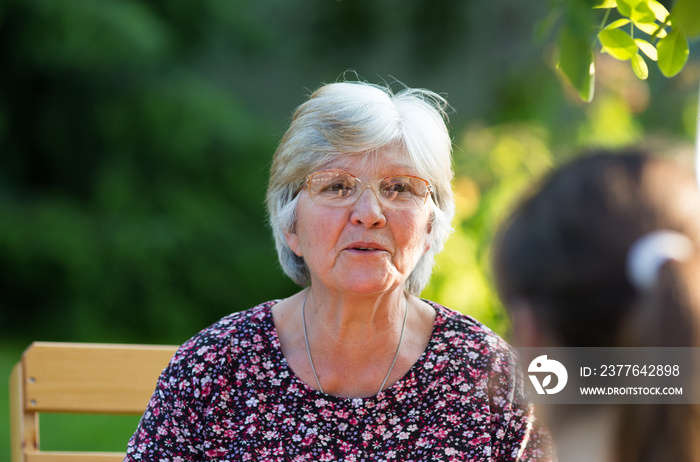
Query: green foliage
[664,37]
[619,44]
[686,15]
[575,59]
[493,166]
[131,186]
[673,52]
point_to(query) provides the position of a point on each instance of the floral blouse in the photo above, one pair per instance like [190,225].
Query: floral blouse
[229,394]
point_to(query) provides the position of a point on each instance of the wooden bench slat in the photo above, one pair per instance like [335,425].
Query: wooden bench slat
[75,456]
[92,378]
[81,378]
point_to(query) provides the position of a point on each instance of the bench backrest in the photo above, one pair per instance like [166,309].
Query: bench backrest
[79,378]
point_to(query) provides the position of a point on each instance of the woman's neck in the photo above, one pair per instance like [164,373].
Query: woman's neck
[352,344]
[354,317]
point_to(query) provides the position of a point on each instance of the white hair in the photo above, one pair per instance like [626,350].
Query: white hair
[357,118]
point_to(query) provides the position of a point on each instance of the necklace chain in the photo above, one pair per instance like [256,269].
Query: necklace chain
[308,350]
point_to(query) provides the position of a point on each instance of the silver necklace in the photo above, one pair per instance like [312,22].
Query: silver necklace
[308,350]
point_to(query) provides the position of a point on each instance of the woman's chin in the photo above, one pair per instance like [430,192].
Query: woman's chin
[366,285]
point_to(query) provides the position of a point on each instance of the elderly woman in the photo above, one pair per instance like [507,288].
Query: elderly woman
[354,366]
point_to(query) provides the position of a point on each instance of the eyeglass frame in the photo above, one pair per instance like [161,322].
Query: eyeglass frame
[307,179]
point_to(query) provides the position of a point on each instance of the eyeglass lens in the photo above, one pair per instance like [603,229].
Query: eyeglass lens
[342,189]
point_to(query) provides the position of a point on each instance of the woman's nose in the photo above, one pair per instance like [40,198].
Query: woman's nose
[368,210]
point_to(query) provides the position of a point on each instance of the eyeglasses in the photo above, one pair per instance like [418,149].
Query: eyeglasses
[340,189]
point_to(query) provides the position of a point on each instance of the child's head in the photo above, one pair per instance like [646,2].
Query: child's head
[564,251]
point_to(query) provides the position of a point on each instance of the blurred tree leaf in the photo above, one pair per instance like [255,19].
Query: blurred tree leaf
[618,43]
[686,15]
[639,66]
[652,29]
[606,4]
[636,10]
[660,12]
[575,55]
[617,24]
[647,48]
[673,52]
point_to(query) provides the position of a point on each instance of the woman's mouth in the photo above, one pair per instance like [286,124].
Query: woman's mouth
[366,247]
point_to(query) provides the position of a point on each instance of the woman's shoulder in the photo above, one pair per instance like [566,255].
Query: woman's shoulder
[213,343]
[464,330]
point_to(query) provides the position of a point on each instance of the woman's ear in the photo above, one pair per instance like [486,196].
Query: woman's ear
[429,232]
[428,242]
[527,329]
[293,242]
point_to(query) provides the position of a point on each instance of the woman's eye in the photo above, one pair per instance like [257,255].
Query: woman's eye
[396,188]
[338,188]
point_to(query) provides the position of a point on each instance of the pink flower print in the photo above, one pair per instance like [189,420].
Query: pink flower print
[485,438]
[216,453]
[423,442]
[309,439]
[441,433]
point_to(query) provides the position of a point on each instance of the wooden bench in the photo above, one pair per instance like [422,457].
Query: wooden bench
[79,378]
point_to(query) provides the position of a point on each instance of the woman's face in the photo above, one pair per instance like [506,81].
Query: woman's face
[366,247]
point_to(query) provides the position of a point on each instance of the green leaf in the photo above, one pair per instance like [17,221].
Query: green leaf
[575,60]
[625,8]
[576,64]
[647,48]
[619,44]
[639,66]
[606,4]
[651,29]
[636,10]
[686,15]
[673,52]
[617,24]
[660,11]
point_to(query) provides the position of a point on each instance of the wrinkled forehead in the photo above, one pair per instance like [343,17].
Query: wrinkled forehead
[386,161]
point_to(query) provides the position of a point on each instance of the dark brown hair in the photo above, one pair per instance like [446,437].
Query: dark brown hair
[564,250]
[564,247]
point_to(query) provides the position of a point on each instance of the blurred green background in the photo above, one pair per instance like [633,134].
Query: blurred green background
[136,136]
